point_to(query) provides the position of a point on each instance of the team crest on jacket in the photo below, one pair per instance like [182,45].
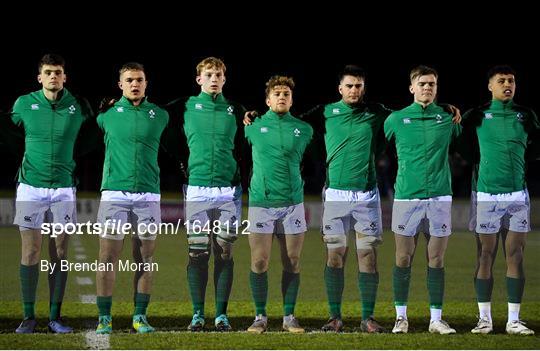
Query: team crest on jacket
[296,132]
[488,115]
[230,110]
[406,121]
[152,114]
[438,118]
[519,117]
[71,109]
[120,109]
[34,106]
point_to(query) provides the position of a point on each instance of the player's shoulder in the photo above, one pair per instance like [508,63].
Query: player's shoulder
[377,108]
[524,109]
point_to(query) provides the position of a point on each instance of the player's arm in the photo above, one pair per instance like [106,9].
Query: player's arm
[315,117]
[533,131]
[173,139]
[90,136]
[11,134]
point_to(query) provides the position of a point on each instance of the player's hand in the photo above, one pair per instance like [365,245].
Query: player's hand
[249,116]
[455,112]
[105,104]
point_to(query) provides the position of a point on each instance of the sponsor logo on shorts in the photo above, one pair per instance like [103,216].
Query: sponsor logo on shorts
[297,222]
[328,227]
[401,227]
[524,222]
[27,218]
[443,228]
[259,225]
[67,218]
[373,225]
[152,220]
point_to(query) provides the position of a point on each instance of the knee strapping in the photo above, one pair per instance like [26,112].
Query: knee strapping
[368,242]
[334,241]
[198,242]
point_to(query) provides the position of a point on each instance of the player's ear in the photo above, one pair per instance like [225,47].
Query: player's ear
[411,89]
[490,87]
[120,85]
[198,80]
[39,78]
[65,77]
[268,102]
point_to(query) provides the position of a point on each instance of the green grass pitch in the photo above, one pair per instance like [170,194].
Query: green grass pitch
[170,308]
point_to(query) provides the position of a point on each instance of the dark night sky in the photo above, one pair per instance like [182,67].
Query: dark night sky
[312,54]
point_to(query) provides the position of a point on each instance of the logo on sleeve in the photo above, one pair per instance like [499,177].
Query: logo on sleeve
[198,107]
[406,121]
[296,132]
[336,111]
[120,109]
[72,109]
[34,106]
[152,114]
[488,115]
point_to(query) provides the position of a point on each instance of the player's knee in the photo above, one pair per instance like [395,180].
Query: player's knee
[198,243]
[260,265]
[436,261]
[403,260]
[61,253]
[292,264]
[485,258]
[335,241]
[199,257]
[335,259]
[515,258]
[367,258]
[368,242]
[30,256]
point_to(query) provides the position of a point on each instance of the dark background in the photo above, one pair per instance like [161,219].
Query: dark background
[312,54]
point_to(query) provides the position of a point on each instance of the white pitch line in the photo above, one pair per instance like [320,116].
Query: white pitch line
[84,280]
[88,298]
[97,341]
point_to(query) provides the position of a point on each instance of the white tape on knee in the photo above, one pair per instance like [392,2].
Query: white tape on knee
[198,239]
[334,241]
[225,237]
[368,242]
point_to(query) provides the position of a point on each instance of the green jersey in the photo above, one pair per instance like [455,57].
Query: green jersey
[51,129]
[422,137]
[499,135]
[132,140]
[211,129]
[352,136]
[278,144]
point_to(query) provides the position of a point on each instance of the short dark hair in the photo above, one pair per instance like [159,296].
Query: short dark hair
[51,59]
[352,70]
[500,69]
[131,66]
[422,70]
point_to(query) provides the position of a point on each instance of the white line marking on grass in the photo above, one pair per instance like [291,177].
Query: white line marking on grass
[97,341]
[80,257]
[84,280]
[88,298]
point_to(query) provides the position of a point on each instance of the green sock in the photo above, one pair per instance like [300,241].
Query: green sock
[289,289]
[57,287]
[435,285]
[259,289]
[335,281]
[197,274]
[104,304]
[368,284]
[484,288]
[401,279]
[141,303]
[29,279]
[223,278]
[515,287]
